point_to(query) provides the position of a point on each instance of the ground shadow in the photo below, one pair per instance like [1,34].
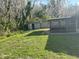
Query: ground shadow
[38,33]
[68,44]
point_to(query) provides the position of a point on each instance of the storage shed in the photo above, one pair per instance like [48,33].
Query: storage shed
[62,25]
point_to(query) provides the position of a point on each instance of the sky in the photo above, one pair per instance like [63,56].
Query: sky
[73,2]
[43,1]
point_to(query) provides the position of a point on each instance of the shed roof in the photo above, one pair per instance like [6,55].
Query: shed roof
[62,18]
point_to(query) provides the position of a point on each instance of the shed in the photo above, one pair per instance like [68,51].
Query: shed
[38,25]
[63,25]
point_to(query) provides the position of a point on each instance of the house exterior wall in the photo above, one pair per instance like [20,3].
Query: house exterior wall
[44,25]
[57,26]
[63,25]
[70,25]
[38,25]
[30,26]
[77,22]
[41,25]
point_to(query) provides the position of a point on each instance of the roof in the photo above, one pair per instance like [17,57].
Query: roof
[62,18]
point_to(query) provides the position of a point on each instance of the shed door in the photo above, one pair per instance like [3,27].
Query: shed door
[33,26]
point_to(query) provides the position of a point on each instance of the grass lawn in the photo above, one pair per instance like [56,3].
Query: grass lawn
[36,44]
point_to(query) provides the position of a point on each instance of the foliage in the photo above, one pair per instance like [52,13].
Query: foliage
[56,7]
[41,13]
[13,18]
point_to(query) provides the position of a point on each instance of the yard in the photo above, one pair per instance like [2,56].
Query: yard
[37,44]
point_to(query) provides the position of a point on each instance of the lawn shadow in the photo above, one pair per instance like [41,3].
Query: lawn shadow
[67,43]
[38,33]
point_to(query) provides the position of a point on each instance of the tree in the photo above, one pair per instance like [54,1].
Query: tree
[9,9]
[55,7]
[25,15]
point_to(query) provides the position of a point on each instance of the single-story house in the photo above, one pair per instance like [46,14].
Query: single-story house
[38,25]
[66,24]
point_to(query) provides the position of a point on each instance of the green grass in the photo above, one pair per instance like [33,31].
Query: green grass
[35,44]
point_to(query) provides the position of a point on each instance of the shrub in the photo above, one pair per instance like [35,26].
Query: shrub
[1,29]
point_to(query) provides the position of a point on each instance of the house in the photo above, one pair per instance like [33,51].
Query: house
[58,25]
[62,25]
[38,25]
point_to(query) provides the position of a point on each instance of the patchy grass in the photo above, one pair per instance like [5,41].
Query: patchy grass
[32,45]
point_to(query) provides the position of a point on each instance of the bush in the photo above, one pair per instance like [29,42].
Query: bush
[1,29]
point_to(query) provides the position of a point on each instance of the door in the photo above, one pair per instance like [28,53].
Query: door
[33,26]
